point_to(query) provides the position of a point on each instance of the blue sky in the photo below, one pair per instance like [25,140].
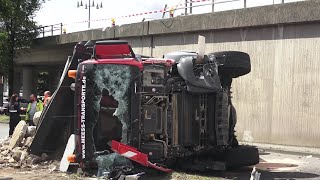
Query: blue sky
[66,11]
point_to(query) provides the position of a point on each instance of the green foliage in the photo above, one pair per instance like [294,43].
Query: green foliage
[42,85]
[3,53]
[16,19]
[17,30]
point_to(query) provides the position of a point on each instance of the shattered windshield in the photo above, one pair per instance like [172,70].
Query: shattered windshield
[107,103]
[116,80]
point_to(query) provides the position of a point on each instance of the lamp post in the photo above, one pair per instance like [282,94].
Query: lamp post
[88,6]
[212,5]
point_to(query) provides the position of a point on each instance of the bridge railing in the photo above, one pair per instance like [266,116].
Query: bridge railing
[50,30]
[187,7]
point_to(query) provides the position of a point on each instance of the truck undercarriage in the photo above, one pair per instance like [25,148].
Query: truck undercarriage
[175,110]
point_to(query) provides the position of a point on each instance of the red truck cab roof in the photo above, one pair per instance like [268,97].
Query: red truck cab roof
[120,52]
[120,61]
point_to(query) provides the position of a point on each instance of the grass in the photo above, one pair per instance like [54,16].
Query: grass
[157,175]
[6,119]
[187,176]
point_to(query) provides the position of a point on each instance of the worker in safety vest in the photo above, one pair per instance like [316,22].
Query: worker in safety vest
[113,21]
[34,106]
[47,98]
[171,12]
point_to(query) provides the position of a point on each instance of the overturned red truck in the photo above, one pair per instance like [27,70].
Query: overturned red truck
[176,111]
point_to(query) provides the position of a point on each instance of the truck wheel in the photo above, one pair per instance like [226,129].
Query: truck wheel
[233,63]
[242,156]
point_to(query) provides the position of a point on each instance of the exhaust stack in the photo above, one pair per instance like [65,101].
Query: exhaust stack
[201,49]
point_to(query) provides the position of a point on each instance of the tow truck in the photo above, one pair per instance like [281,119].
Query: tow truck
[171,112]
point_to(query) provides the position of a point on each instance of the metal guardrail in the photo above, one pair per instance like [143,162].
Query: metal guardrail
[57,29]
[54,29]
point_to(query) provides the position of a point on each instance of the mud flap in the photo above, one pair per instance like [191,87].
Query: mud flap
[134,155]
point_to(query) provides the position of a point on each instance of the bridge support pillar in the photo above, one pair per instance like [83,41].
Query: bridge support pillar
[27,81]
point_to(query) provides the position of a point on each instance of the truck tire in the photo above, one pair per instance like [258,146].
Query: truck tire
[233,63]
[242,156]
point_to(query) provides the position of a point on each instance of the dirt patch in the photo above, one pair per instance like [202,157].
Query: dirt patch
[45,173]
[34,173]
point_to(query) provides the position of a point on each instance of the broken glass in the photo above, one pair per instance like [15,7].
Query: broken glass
[108,96]
[116,80]
[110,162]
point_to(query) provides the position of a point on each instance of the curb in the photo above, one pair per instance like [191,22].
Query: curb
[286,149]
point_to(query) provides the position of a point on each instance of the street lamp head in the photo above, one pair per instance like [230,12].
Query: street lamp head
[93,4]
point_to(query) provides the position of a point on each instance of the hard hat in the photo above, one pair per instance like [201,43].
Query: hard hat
[171,10]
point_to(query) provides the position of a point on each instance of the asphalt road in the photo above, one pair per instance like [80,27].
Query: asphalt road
[4,130]
[273,165]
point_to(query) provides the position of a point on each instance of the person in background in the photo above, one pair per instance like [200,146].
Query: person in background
[47,98]
[34,106]
[14,113]
[21,100]
[171,12]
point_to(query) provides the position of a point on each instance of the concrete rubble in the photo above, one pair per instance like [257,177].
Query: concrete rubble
[36,117]
[13,150]
[14,153]
[31,131]
[18,134]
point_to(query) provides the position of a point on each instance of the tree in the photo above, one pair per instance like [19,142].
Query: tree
[42,85]
[17,30]
[3,52]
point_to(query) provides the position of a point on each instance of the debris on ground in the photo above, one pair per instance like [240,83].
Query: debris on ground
[13,150]
[113,166]
[131,177]
[18,135]
[36,117]
[255,175]
[31,131]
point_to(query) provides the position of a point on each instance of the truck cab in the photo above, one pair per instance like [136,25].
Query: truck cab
[176,110]
[170,109]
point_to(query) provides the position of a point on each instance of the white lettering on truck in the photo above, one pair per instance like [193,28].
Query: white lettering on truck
[83,117]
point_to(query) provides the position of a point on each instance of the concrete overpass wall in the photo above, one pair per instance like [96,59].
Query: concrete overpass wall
[278,102]
[44,55]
